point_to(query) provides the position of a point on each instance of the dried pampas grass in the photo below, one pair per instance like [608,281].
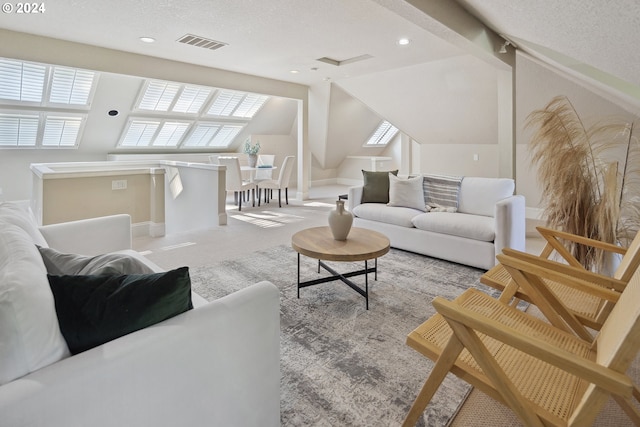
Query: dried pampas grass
[583,192]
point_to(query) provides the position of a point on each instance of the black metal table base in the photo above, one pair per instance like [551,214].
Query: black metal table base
[343,277]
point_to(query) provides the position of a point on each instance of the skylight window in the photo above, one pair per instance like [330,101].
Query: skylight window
[383,134]
[23,130]
[71,86]
[61,131]
[173,97]
[139,133]
[18,130]
[230,103]
[21,81]
[153,133]
[168,107]
[170,134]
[213,135]
[37,103]
[191,99]
[158,96]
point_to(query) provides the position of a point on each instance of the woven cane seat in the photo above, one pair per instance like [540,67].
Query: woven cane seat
[531,376]
[585,306]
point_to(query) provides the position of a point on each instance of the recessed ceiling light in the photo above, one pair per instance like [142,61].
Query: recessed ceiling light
[403,41]
[294,71]
[147,39]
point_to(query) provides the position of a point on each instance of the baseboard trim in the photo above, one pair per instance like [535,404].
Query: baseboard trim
[534,218]
[350,182]
[148,228]
[328,181]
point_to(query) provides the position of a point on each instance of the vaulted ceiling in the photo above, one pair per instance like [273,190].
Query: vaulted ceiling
[272,38]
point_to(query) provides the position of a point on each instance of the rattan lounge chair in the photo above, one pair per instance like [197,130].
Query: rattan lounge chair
[588,308]
[546,375]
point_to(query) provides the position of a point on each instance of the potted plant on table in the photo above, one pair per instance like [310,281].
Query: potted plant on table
[252,152]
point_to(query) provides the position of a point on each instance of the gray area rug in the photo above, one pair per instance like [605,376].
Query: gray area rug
[342,365]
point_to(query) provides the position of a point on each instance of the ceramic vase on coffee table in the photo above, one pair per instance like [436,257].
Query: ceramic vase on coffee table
[340,221]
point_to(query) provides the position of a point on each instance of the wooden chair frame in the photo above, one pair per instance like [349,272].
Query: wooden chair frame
[546,375]
[588,308]
[533,275]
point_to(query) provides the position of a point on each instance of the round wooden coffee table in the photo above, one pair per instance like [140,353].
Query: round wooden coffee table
[361,245]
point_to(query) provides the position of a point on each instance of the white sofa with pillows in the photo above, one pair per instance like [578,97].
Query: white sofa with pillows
[215,364]
[467,220]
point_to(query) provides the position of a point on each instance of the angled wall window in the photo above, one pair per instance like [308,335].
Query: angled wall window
[219,135]
[229,103]
[382,135]
[19,130]
[173,97]
[61,131]
[21,81]
[169,114]
[46,97]
[153,133]
[71,86]
[40,130]
[192,99]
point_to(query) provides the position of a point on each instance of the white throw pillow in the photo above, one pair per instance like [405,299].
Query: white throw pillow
[19,213]
[406,193]
[30,337]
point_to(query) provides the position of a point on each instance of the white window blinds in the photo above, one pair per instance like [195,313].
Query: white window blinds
[21,81]
[18,130]
[71,86]
[382,134]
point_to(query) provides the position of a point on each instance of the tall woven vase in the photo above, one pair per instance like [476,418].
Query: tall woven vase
[340,221]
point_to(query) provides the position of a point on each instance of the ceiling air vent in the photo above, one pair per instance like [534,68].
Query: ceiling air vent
[201,42]
[338,63]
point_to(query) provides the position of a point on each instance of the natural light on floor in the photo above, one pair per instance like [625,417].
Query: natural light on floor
[319,204]
[267,219]
[170,247]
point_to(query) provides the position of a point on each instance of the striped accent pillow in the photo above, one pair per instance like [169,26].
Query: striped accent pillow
[441,192]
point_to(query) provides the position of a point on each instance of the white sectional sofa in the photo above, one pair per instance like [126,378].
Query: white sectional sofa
[217,364]
[489,218]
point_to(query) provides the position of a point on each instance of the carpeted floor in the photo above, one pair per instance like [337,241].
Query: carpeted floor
[341,364]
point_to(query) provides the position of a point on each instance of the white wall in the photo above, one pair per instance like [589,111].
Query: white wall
[449,108]
[458,159]
[447,101]
[536,85]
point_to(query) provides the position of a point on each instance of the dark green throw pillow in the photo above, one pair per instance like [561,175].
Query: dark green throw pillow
[376,186]
[95,309]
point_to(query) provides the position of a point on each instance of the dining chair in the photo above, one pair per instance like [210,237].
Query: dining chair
[545,375]
[264,165]
[280,183]
[234,181]
[589,308]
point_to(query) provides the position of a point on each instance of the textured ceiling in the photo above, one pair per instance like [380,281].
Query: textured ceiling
[265,38]
[604,34]
[270,38]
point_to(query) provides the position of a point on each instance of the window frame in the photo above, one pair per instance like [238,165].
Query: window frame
[385,135]
[45,109]
[43,117]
